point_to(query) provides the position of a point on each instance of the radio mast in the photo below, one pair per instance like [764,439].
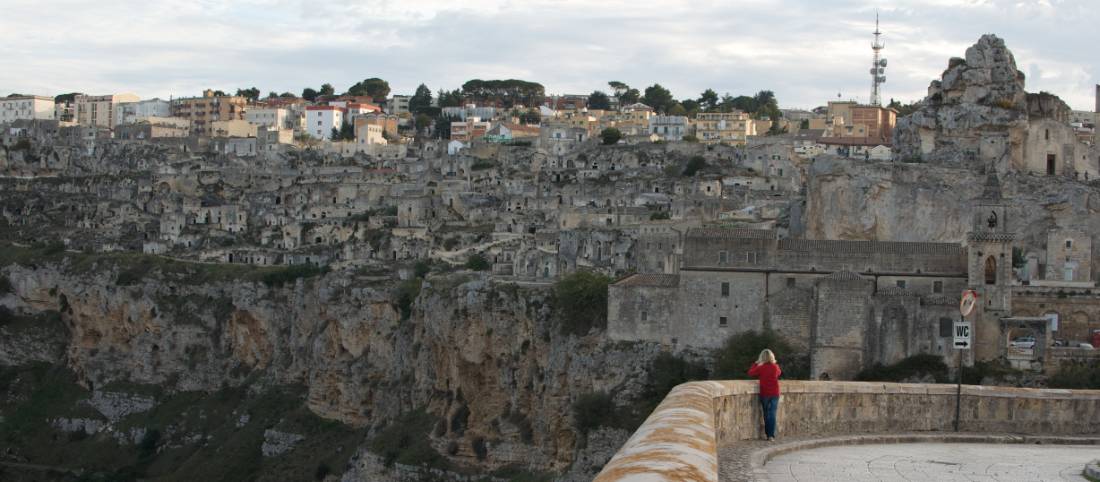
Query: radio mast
[878,66]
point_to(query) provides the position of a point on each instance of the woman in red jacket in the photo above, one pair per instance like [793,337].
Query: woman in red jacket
[767,370]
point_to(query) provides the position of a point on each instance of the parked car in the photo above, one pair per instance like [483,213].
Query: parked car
[1023,342]
[1087,346]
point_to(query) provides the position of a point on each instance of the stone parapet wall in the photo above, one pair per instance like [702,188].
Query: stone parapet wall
[680,439]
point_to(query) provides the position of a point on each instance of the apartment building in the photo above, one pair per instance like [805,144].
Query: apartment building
[26,107]
[321,119]
[669,127]
[730,128]
[99,110]
[469,129]
[398,104]
[131,112]
[276,117]
[203,111]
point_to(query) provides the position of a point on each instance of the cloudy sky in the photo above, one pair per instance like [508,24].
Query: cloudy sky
[807,51]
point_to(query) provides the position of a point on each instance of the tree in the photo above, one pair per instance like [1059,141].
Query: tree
[610,136]
[618,88]
[70,97]
[421,99]
[309,94]
[694,165]
[326,90]
[272,94]
[375,88]
[287,95]
[219,93]
[677,109]
[659,98]
[631,96]
[252,94]
[733,360]
[531,117]
[423,121]
[580,301]
[478,262]
[506,93]
[599,101]
[335,134]
[450,99]
[691,107]
[708,100]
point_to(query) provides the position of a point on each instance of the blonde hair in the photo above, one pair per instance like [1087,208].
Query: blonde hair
[766,356]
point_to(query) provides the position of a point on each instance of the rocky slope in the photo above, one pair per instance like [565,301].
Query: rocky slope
[486,361]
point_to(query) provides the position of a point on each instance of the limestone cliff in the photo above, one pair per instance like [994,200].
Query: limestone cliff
[486,359]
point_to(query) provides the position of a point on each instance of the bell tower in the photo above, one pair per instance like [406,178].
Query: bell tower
[989,265]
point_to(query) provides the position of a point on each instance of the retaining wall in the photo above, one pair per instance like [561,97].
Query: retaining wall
[680,439]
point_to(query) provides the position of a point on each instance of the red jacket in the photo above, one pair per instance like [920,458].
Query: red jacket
[768,374]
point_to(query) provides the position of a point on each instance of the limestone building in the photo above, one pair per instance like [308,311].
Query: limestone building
[99,110]
[26,107]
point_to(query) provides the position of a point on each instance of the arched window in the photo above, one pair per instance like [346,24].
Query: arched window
[990,270]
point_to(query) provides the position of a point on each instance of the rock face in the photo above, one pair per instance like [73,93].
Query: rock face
[974,115]
[486,359]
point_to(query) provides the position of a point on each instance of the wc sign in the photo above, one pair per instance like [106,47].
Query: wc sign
[962,334]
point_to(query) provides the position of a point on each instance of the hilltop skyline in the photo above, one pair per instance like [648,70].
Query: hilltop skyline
[806,56]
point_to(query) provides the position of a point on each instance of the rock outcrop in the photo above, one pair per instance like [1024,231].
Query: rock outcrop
[974,115]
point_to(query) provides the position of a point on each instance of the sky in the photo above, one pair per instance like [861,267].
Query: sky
[806,51]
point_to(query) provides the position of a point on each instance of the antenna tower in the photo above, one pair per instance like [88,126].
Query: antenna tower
[878,66]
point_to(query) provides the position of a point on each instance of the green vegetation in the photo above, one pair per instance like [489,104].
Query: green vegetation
[132,268]
[659,215]
[733,360]
[406,441]
[478,262]
[598,100]
[659,98]
[506,93]
[406,294]
[989,371]
[375,88]
[694,165]
[611,136]
[482,164]
[1077,376]
[580,300]
[593,410]
[914,368]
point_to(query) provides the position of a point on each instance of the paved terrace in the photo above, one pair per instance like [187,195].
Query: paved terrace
[702,426]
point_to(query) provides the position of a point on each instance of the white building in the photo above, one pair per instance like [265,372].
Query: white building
[26,107]
[398,104]
[132,112]
[366,134]
[270,117]
[669,127]
[470,110]
[99,110]
[321,119]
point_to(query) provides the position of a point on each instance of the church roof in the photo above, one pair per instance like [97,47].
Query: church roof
[731,233]
[887,247]
[844,276]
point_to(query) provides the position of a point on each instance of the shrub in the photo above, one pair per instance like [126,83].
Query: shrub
[593,410]
[580,301]
[914,367]
[691,138]
[405,441]
[292,273]
[405,294]
[694,165]
[611,136]
[991,371]
[668,370]
[478,262]
[421,269]
[733,360]
[1076,375]
[657,215]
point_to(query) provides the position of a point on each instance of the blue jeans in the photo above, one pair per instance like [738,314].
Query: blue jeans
[769,405]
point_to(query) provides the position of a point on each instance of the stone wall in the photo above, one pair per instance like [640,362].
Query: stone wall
[680,439]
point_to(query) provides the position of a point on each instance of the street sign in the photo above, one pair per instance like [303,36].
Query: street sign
[962,334]
[966,304]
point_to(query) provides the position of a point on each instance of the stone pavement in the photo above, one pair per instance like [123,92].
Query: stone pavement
[934,462]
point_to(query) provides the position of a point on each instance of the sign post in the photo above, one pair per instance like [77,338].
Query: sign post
[961,334]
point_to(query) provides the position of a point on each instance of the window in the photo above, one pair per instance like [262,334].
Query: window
[945,327]
[900,283]
[937,286]
[645,316]
[990,271]
[790,282]
[1069,244]
[723,321]
[725,290]
[721,257]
